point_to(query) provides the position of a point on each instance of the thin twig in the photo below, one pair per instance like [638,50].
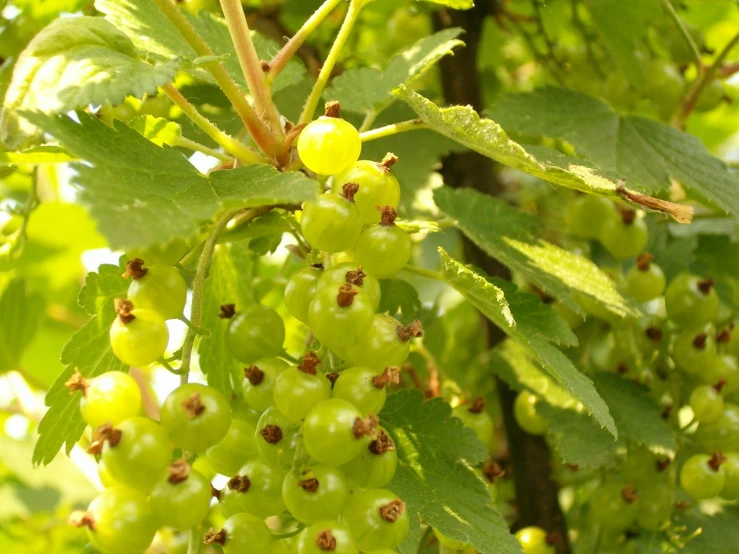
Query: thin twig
[393,129]
[183,142]
[670,9]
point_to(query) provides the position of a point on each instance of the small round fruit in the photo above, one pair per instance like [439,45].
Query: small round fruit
[528,418]
[257,332]
[314,494]
[277,438]
[725,370]
[587,214]
[196,416]
[340,317]
[702,476]
[691,301]
[242,533]
[138,337]
[181,500]
[625,236]
[476,418]
[354,274]
[135,452]
[107,398]
[614,505]
[300,290]
[665,87]
[384,249]
[376,518]
[157,254]
[237,447]
[731,470]
[376,464]
[333,432]
[377,186]
[259,489]
[326,537]
[721,435]
[331,222]
[534,541]
[387,343]
[259,382]
[711,96]
[329,145]
[365,387]
[656,505]
[298,389]
[645,281]
[707,403]
[694,350]
[119,521]
[159,288]
[450,544]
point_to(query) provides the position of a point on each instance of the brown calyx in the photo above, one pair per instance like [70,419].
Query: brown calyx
[124,308]
[388,161]
[391,375]
[356,277]
[349,190]
[408,332]
[227,311]
[309,485]
[724,335]
[382,444]
[178,471]
[477,406]
[333,109]
[682,505]
[346,295]
[79,519]
[325,541]
[77,382]
[332,377]
[388,215]
[214,492]
[492,470]
[271,434]
[699,341]
[100,435]
[643,261]
[391,511]
[622,368]
[662,464]
[254,375]
[666,411]
[193,406]
[629,494]
[706,285]
[366,426]
[239,483]
[135,268]
[215,537]
[553,538]
[719,386]
[628,215]
[572,467]
[264,64]
[310,362]
[717,460]
[654,334]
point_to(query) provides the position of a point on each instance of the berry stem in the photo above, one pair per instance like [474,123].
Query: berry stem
[393,129]
[193,544]
[333,56]
[197,147]
[670,9]
[436,275]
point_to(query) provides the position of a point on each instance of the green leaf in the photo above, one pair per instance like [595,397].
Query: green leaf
[639,418]
[20,314]
[716,532]
[72,63]
[87,350]
[141,194]
[157,129]
[399,296]
[485,136]
[153,33]
[229,282]
[509,235]
[623,25]
[645,152]
[490,301]
[36,155]
[365,89]
[434,477]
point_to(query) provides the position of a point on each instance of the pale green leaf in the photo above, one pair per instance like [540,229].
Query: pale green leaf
[87,350]
[489,300]
[261,185]
[20,314]
[434,477]
[509,235]
[645,152]
[72,63]
[157,129]
[36,155]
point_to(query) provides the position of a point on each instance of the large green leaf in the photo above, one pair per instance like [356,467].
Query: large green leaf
[509,235]
[490,301]
[485,136]
[87,350]
[154,34]
[647,153]
[72,63]
[434,477]
[365,89]
[141,194]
